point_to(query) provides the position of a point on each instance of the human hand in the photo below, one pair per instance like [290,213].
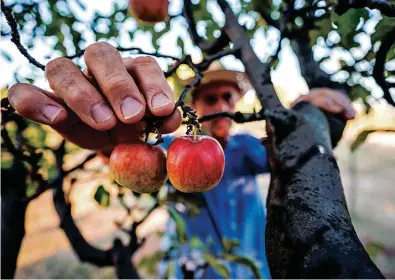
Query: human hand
[102,106]
[330,101]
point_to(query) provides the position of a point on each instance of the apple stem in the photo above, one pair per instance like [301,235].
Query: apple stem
[194,134]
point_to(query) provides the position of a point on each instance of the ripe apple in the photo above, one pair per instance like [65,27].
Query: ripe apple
[149,10]
[195,163]
[138,166]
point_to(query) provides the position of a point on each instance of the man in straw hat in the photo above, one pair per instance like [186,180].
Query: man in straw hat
[234,209]
[105,105]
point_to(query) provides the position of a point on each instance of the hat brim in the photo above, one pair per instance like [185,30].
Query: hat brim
[240,79]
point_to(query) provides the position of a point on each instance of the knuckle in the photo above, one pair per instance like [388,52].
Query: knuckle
[98,49]
[117,83]
[152,88]
[147,63]
[77,96]
[56,65]
[14,95]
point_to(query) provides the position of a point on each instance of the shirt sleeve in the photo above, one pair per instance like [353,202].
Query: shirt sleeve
[167,139]
[256,155]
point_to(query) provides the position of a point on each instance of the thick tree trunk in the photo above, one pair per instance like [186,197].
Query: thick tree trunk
[309,233]
[13,211]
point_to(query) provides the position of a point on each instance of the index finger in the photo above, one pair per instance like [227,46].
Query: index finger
[153,84]
[106,65]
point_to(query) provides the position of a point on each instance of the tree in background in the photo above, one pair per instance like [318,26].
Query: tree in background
[317,32]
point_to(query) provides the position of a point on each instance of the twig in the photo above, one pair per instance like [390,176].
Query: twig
[188,15]
[16,39]
[132,49]
[385,7]
[237,117]
[378,69]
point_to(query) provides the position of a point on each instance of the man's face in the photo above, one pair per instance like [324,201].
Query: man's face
[216,98]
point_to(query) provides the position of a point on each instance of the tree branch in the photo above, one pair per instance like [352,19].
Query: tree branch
[267,17]
[378,69]
[16,39]
[237,117]
[309,233]
[13,211]
[385,7]
[132,49]
[258,72]
[117,256]
[188,15]
[84,251]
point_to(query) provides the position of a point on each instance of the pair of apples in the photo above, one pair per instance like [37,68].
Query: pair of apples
[193,164]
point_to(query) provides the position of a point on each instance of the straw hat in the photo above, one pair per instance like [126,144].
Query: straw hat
[217,72]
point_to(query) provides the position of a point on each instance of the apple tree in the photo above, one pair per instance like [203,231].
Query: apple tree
[309,231]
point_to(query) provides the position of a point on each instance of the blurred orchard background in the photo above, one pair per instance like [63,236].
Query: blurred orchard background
[55,28]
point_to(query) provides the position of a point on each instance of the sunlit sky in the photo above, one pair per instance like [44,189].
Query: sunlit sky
[287,75]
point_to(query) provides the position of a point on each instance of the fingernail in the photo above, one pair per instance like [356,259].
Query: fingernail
[101,113]
[159,100]
[51,112]
[130,107]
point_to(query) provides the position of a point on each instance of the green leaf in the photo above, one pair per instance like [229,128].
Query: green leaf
[150,263]
[382,28]
[360,139]
[358,91]
[391,53]
[102,196]
[323,28]
[363,135]
[246,262]
[217,266]
[229,244]
[374,249]
[180,224]
[194,209]
[180,43]
[196,243]
[347,25]
[170,270]
[35,135]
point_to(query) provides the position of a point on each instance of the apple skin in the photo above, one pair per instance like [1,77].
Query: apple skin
[138,166]
[149,10]
[195,166]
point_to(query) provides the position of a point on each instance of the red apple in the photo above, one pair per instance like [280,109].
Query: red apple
[149,10]
[138,166]
[195,165]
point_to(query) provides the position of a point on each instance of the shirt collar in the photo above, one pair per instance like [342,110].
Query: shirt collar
[232,143]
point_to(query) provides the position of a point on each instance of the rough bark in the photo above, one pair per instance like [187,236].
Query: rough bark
[13,210]
[309,233]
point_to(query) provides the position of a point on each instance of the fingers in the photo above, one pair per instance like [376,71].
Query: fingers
[45,110]
[329,100]
[171,123]
[85,107]
[153,84]
[106,65]
[343,101]
[69,83]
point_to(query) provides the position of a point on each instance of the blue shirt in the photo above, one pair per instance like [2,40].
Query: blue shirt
[236,207]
